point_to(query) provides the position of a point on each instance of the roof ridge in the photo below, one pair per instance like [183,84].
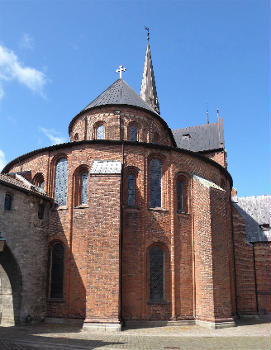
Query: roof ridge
[195,126]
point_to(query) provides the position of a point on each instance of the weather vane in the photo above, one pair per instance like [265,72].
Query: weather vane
[148,32]
[120,70]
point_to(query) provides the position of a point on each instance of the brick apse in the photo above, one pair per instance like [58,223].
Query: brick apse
[142,228]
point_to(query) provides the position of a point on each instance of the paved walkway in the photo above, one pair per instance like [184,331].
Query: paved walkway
[59,337]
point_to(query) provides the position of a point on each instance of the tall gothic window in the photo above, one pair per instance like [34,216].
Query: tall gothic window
[180,195]
[156,281]
[61,179]
[84,188]
[131,190]
[100,132]
[133,133]
[56,271]
[155,178]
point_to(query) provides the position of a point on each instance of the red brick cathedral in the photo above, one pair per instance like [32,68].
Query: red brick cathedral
[131,222]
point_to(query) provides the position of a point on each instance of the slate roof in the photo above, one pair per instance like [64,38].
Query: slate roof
[200,138]
[119,93]
[255,210]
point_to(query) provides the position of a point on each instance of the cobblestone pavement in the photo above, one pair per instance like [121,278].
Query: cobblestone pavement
[59,337]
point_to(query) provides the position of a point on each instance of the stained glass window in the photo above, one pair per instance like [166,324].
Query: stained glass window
[100,132]
[131,190]
[57,271]
[8,200]
[84,188]
[179,195]
[132,133]
[61,182]
[155,177]
[156,258]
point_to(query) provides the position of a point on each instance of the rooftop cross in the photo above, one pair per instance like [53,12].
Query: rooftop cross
[120,70]
[148,32]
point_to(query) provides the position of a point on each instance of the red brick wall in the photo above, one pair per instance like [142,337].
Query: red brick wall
[85,233]
[220,157]
[211,241]
[245,281]
[116,125]
[263,275]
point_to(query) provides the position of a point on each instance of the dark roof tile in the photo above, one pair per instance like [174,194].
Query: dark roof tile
[200,138]
[255,210]
[119,93]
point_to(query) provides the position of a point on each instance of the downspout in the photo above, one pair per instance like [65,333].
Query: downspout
[121,215]
[255,277]
[234,263]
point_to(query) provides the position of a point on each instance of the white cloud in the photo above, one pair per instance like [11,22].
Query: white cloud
[12,69]
[3,161]
[53,136]
[27,42]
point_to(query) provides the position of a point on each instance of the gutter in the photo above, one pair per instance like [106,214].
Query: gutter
[118,142]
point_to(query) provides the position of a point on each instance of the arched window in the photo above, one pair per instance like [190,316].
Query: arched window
[38,180]
[131,201]
[132,133]
[100,132]
[8,201]
[156,271]
[155,178]
[81,185]
[84,188]
[61,179]
[155,138]
[182,194]
[56,271]
[75,138]
[179,195]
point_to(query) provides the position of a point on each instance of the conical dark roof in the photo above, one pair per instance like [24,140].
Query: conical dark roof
[119,93]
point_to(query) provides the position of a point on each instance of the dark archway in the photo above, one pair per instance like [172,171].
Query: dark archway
[10,289]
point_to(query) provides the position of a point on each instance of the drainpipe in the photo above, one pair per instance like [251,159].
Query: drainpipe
[121,213]
[234,263]
[255,277]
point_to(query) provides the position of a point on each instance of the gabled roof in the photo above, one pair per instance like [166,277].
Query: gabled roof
[206,137]
[256,211]
[119,93]
[22,185]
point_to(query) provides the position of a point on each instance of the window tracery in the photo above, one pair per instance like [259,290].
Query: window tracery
[61,180]
[100,134]
[84,188]
[179,195]
[133,133]
[155,179]
[131,201]
[156,280]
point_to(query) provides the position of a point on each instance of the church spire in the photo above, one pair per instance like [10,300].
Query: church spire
[148,88]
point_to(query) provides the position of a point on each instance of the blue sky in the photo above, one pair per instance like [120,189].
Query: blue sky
[57,56]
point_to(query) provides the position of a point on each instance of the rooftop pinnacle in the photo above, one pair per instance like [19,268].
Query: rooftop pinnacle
[148,88]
